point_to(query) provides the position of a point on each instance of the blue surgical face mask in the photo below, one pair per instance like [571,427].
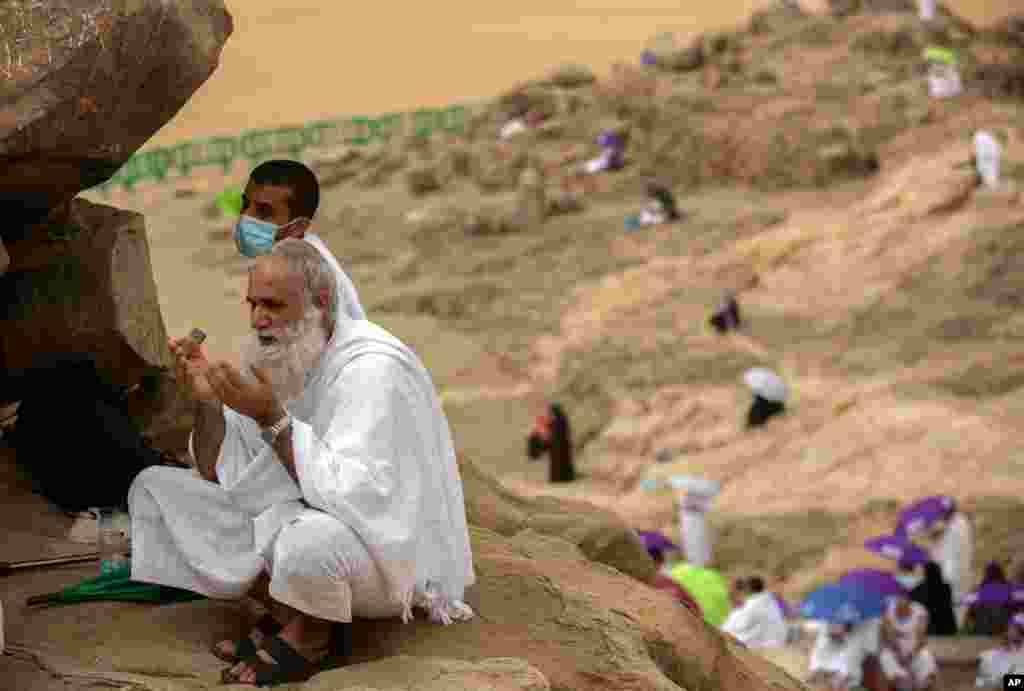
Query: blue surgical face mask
[254,237]
[908,580]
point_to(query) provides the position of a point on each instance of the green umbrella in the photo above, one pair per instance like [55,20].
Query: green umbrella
[707,587]
[942,55]
[230,201]
[115,585]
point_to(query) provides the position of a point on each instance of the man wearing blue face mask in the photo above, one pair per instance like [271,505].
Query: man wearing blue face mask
[279,202]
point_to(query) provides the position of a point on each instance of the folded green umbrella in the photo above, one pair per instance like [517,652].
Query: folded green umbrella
[707,587]
[117,586]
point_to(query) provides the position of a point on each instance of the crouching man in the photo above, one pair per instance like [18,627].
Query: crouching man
[327,483]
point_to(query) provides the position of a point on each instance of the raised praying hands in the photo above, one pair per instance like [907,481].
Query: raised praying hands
[250,396]
[190,367]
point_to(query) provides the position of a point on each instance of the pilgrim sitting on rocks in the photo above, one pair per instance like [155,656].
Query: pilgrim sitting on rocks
[326,482]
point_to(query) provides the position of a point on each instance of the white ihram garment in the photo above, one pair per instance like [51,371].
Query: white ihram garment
[375,525]
[922,664]
[987,153]
[694,496]
[996,662]
[845,659]
[348,298]
[954,553]
[944,81]
[759,623]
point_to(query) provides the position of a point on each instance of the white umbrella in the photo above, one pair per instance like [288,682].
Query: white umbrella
[696,485]
[766,384]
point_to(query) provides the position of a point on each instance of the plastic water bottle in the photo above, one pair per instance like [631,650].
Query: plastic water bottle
[114,540]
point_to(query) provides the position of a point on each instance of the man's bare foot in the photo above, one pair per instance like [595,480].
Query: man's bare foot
[309,637]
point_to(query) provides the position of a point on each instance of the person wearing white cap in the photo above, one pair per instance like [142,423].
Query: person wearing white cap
[1008,658]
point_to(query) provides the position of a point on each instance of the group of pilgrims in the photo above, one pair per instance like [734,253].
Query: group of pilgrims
[872,626]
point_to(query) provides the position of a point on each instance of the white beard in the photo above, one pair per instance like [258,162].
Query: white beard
[288,360]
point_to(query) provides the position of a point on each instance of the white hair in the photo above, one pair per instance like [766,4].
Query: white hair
[317,274]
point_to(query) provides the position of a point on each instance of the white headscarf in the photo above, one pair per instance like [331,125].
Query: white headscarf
[348,298]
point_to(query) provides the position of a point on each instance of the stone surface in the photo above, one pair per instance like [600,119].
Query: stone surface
[84,285]
[89,81]
[599,533]
[406,673]
[577,624]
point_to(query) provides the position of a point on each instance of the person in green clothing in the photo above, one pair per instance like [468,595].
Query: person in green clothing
[707,587]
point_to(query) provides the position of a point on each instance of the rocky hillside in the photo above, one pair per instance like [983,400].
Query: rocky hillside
[822,183]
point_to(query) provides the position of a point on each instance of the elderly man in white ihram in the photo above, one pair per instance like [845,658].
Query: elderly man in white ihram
[326,483]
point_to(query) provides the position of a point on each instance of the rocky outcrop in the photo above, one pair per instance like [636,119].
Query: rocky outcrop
[574,623]
[406,673]
[600,534]
[84,284]
[89,82]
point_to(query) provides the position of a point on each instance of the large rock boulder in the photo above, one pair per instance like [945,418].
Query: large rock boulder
[88,83]
[601,535]
[84,284]
[407,673]
[583,626]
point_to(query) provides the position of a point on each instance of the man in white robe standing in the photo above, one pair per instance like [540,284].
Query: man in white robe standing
[759,621]
[952,547]
[694,496]
[326,483]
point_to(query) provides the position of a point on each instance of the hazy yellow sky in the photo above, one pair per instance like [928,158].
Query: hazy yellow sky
[291,61]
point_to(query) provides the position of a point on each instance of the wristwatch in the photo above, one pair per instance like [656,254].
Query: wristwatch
[270,434]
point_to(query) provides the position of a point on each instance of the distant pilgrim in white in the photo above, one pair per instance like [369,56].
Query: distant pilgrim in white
[943,74]
[694,497]
[926,10]
[986,157]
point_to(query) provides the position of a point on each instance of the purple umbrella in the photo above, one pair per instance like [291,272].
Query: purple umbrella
[898,549]
[610,140]
[1017,594]
[647,57]
[925,512]
[990,594]
[874,580]
[656,542]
